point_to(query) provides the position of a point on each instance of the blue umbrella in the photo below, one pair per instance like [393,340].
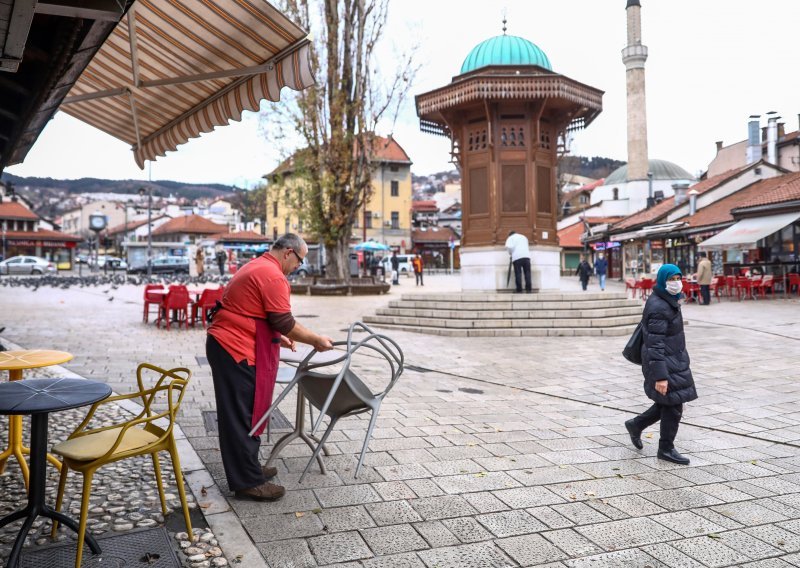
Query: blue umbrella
[371,246]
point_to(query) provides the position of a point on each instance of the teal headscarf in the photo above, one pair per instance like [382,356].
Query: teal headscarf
[666,272]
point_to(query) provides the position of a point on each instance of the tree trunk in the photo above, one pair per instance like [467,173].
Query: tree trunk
[338,259]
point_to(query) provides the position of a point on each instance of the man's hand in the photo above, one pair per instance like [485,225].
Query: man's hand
[288,343]
[323,343]
[661,387]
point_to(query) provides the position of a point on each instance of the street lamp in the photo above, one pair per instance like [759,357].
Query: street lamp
[149,192]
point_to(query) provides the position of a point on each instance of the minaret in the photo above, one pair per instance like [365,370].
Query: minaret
[633,56]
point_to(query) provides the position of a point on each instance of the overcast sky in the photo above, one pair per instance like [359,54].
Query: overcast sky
[711,64]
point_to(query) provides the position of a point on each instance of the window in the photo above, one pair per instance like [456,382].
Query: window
[395,219]
[394,168]
[368,219]
[584,199]
[395,188]
[274,208]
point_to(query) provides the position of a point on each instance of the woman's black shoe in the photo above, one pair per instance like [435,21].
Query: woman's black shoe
[673,456]
[636,435]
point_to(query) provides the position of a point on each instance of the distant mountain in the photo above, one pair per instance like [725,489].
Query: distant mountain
[47,193]
[595,167]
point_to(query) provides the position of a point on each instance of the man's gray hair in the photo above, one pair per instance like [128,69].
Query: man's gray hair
[290,241]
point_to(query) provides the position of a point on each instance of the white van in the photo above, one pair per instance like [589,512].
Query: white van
[405,266]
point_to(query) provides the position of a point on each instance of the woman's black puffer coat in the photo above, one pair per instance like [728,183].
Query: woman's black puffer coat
[664,353]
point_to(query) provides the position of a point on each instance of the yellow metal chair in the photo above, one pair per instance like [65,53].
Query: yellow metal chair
[86,450]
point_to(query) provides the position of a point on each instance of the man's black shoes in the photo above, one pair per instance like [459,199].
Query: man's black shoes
[672,456]
[636,435]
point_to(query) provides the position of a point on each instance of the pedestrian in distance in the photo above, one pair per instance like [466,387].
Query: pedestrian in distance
[221,258]
[600,268]
[200,261]
[517,246]
[416,262]
[584,272]
[252,322]
[668,379]
[704,278]
[395,268]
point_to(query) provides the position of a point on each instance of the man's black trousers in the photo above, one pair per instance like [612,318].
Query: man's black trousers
[705,292]
[670,417]
[522,266]
[234,388]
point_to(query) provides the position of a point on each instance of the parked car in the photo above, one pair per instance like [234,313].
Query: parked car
[305,270]
[404,266]
[27,265]
[163,265]
[113,262]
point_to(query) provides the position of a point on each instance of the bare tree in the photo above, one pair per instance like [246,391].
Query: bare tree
[336,120]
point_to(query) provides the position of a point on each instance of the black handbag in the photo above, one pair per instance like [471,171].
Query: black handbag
[633,350]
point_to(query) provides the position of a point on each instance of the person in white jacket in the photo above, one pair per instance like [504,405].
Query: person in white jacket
[517,246]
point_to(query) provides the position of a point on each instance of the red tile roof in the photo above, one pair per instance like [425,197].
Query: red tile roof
[190,224]
[423,206]
[16,210]
[719,212]
[783,188]
[660,210]
[42,235]
[244,237]
[570,237]
[442,235]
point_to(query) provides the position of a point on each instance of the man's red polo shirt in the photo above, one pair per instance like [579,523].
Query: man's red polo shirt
[258,288]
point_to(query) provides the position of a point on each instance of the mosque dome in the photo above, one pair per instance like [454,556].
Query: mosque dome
[661,170]
[505,50]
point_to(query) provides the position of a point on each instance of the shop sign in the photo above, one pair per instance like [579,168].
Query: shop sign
[606,245]
[45,244]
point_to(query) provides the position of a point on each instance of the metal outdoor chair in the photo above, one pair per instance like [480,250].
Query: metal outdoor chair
[150,432]
[340,394]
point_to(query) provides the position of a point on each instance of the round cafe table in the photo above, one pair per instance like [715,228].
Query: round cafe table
[15,362]
[40,397]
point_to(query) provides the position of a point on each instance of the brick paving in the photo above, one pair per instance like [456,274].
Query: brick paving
[494,451]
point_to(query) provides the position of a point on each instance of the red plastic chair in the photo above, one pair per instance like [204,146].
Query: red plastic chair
[764,284]
[717,287]
[208,299]
[794,283]
[646,286]
[630,284]
[151,300]
[175,303]
[730,284]
[692,291]
[745,288]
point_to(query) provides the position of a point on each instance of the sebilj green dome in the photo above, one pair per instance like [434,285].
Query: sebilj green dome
[505,50]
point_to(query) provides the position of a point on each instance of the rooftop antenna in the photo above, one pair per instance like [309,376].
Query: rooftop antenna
[504,20]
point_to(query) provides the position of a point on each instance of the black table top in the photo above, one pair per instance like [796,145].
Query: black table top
[35,396]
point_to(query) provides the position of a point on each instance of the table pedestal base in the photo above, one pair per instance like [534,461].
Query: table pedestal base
[36,506]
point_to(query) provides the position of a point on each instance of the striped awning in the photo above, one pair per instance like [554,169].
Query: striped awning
[173,69]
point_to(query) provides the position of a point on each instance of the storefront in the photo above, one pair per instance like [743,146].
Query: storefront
[54,246]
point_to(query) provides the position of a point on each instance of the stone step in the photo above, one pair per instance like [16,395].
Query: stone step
[463,314]
[622,332]
[539,296]
[425,303]
[574,323]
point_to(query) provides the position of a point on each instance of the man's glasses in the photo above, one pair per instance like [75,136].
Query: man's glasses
[297,256]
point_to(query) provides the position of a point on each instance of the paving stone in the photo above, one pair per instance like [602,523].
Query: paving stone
[618,559]
[776,536]
[747,544]
[524,497]
[550,517]
[436,534]
[340,519]
[407,560]
[294,553]
[627,533]
[580,513]
[343,496]
[510,523]
[339,547]
[530,549]
[711,552]
[670,556]
[572,457]
[602,488]
[687,524]
[547,475]
[467,529]
[282,527]
[748,513]
[466,556]
[302,500]
[392,512]
[402,471]
[485,502]
[682,498]
[394,539]
[768,563]
[445,507]
[424,488]
[724,492]
[391,490]
[482,481]
[571,542]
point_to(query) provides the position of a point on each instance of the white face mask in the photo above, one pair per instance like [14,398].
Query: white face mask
[674,287]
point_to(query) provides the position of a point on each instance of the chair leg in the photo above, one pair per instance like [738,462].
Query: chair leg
[319,447]
[372,420]
[62,485]
[159,482]
[176,467]
[87,490]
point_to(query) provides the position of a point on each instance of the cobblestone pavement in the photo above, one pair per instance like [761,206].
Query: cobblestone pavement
[493,451]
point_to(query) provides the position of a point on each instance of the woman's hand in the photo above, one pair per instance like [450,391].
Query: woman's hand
[661,387]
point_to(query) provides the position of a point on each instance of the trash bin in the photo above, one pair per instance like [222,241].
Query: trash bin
[353,265]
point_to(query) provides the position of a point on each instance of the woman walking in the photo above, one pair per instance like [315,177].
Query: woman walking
[584,272]
[668,379]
